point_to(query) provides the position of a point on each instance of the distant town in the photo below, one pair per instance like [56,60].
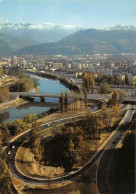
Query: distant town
[122,67]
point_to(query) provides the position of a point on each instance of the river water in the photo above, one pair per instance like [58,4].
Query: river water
[46,85]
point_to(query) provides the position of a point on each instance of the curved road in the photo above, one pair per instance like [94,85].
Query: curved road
[37,180]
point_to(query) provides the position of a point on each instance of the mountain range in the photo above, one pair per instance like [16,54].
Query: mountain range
[121,27]
[50,39]
[40,33]
[89,41]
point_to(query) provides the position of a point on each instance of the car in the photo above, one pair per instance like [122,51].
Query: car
[48,125]
[13,146]
[9,152]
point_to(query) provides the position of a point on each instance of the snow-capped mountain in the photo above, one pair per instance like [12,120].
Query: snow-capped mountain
[40,33]
[121,27]
[29,26]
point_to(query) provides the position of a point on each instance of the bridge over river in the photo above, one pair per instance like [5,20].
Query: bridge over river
[55,95]
[103,97]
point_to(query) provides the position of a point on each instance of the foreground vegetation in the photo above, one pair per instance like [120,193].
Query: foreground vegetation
[6,186]
[69,145]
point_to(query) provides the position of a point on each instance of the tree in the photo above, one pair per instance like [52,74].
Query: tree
[5,180]
[24,85]
[105,115]
[104,87]
[91,83]
[37,88]
[5,132]
[30,118]
[12,128]
[6,71]
[100,124]
[34,135]
[61,100]
[0,140]
[113,101]
[121,97]
[88,82]
[1,71]
[20,125]
[1,144]
[22,74]
[85,97]
[111,80]
[117,111]
[4,94]
[7,185]
[90,124]
[115,94]
[36,82]
[66,100]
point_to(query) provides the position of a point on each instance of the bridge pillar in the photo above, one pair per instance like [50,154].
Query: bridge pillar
[42,99]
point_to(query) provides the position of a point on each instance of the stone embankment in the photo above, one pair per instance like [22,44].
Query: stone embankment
[11,103]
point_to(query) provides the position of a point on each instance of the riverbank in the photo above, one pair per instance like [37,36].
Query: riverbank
[12,110]
[11,103]
[67,82]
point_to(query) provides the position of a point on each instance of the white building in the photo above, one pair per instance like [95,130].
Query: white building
[79,66]
[68,65]
[58,66]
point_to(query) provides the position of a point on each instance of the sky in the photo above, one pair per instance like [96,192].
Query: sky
[82,13]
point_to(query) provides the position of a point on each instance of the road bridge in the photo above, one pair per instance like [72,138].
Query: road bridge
[55,95]
[103,97]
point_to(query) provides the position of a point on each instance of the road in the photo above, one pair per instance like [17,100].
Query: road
[37,180]
[102,172]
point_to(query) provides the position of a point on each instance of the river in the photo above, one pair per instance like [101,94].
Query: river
[46,85]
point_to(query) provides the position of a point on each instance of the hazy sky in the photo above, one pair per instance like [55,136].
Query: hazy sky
[83,13]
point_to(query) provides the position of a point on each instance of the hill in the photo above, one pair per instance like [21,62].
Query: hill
[89,41]
[9,44]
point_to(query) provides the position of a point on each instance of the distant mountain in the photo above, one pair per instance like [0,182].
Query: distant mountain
[9,44]
[121,27]
[40,33]
[89,41]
